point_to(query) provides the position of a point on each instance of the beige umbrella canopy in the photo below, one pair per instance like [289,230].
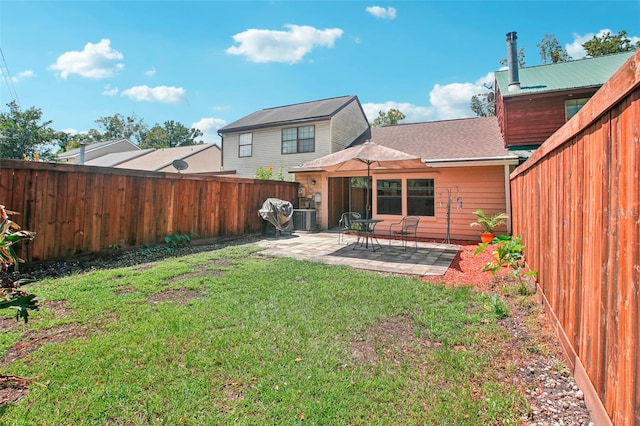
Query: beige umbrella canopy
[366,156]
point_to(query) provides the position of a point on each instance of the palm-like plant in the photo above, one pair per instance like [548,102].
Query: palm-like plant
[10,294]
[489,222]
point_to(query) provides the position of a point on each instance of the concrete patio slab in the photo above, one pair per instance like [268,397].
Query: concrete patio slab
[427,259]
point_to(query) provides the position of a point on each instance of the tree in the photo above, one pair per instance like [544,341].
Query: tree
[24,135]
[609,44]
[481,106]
[484,105]
[87,138]
[389,118]
[112,127]
[120,127]
[170,135]
[551,51]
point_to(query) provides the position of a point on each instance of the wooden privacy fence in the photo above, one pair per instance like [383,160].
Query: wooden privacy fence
[81,209]
[576,203]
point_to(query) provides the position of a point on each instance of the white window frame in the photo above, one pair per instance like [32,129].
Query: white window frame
[245,142]
[572,106]
[298,140]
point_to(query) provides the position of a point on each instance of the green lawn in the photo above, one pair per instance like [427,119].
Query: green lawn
[232,337]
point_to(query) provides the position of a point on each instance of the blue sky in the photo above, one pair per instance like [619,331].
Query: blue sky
[208,63]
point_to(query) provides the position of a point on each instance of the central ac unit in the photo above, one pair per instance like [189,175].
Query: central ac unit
[304,220]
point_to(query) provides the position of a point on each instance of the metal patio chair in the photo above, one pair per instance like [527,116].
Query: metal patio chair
[346,223]
[406,228]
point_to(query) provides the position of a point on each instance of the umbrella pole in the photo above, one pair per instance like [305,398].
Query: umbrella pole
[368,207]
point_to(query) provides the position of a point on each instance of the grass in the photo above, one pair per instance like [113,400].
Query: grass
[262,341]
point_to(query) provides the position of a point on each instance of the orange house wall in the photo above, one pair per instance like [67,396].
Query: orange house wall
[480,187]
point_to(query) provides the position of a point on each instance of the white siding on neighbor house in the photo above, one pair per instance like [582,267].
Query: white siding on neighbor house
[267,150]
[348,124]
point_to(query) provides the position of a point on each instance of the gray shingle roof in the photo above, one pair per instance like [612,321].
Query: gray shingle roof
[290,114]
[112,160]
[589,72]
[157,159]
[449,140]
[94,146]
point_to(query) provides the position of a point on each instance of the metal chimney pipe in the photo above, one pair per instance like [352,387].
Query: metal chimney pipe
[512,61]
[81,159]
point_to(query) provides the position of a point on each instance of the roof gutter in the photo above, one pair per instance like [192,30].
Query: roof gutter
[465,162]
[304,169]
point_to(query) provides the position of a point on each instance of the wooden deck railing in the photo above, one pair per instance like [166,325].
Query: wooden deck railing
[576,203]
[81,209]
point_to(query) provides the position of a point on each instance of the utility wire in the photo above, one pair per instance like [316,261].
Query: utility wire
[8,79]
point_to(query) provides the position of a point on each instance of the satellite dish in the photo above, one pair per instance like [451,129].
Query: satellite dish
[180,164]
[491,96]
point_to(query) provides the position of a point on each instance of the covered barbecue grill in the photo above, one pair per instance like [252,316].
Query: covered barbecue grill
[279,213]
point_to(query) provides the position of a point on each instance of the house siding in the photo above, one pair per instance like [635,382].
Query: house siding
[346,126]
[530,120]
[476,187]
[267,148]
[479,187]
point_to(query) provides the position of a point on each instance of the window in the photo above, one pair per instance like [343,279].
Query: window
[298,139]
[245,145]
[420,197]
[390,196]
[573,106]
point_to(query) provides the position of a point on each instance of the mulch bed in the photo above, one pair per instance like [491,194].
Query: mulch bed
[466,268]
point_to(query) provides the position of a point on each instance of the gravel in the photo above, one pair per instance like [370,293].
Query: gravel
[542,373]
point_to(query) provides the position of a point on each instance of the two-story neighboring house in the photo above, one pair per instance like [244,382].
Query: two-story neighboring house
[533,102]
[288,136]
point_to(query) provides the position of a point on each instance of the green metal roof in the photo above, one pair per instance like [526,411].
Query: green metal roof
[589,72]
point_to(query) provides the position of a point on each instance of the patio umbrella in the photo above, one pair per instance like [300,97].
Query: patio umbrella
[366,156]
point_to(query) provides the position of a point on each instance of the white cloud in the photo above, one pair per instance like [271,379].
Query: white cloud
[151,72]
[454,100]
[413,113]
[575,49]
[488,79]
[95,61]
[382,13]
[163,94]
[23,75]
[282,46]
[447,102]
[110,91]
[209,126]
[71,131]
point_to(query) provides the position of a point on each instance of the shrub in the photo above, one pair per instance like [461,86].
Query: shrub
[489,221]
[11,296]
[266,173]
[508,253]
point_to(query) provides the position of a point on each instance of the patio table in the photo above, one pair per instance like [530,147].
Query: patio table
[366,233]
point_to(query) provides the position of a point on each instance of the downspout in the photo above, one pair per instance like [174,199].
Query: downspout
[507,196]
[221,150]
